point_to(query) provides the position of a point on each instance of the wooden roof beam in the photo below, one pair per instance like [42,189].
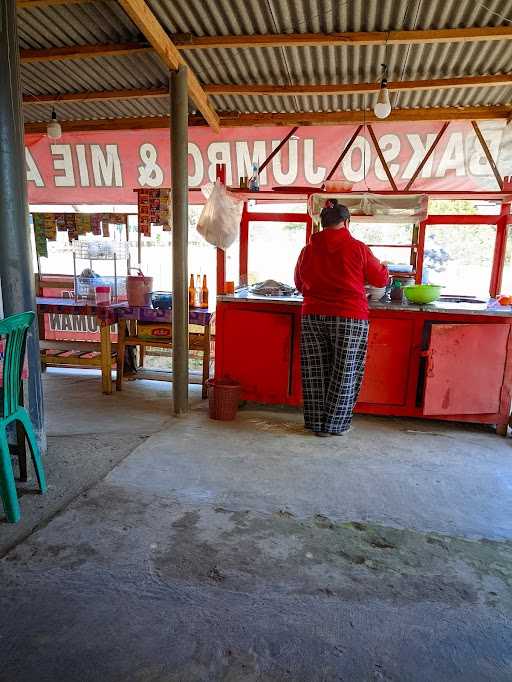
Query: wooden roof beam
[450,35]
[83,52]
[343,89]
[181,42]
[360,88]
[153,31]
[299,119]
[31,4]
[97,96]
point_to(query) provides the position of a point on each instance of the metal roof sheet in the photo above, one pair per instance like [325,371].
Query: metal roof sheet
[106,22]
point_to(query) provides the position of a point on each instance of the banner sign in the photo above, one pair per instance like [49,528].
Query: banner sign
[105,167]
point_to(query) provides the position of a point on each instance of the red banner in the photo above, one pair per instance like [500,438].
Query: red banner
[105,167]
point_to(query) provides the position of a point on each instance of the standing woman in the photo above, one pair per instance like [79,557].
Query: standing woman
[331,273]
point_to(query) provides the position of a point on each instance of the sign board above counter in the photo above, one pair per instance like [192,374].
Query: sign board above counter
[103,167]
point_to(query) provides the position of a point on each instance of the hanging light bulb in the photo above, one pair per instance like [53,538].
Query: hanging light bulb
[382,107]
[54,129]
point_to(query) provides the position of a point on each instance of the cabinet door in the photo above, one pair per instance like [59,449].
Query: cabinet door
[465,368]
[387,365]
[256,349]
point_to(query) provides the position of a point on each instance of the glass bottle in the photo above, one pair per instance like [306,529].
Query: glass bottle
[204,293]
[191,292]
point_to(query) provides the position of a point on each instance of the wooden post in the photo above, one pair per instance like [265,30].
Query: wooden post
[106,358]
[179,184]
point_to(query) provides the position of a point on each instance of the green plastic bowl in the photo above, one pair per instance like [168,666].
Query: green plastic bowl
[422,293]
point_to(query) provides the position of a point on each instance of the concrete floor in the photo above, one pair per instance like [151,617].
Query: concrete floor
[190,550]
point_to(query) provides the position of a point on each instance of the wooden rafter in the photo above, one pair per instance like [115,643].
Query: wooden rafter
[488,154]
[344,152]
[100,95]
[382,159]
[300,119]
[357,88]
[82,52]
[276,151]
[31,4]
[337,117]
[451,35]
[456,35]
[427,155]
[153,31]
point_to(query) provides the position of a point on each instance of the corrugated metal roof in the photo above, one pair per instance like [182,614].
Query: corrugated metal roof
[106,22]
[75,24]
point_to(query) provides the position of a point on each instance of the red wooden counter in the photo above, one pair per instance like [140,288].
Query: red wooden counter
[443,361]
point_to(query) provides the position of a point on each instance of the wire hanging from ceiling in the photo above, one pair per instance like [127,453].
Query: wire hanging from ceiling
[409,46]
[501,16]
[283,53]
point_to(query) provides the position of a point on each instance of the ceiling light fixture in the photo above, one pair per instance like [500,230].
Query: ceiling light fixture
[382,107]
[54,129]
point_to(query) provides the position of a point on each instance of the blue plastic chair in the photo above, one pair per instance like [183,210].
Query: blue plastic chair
[15,329]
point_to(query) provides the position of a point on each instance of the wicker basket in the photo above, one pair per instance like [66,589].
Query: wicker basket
[223,399]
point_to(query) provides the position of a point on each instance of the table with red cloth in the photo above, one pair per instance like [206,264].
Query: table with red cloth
[110,315]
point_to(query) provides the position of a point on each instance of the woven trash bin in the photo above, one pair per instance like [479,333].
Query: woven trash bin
[223,399]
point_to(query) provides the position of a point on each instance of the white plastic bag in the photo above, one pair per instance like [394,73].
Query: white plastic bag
[219,222]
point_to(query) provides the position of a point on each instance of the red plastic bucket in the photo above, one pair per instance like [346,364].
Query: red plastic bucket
[223,399]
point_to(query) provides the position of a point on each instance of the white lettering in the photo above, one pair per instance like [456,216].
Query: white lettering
[289,177]
[390,147]
[150,174]
[106,167]
[220,152]
[82,165]
[64,163]
[419,149]
[196,179]
[33,174]
[244,160]
[453,157]
[313,176]
[362,146]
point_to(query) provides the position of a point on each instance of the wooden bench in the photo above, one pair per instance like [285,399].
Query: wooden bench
[198,341]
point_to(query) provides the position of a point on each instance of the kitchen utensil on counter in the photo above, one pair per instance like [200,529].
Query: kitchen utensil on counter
[398,267]
[423,293]
[397,291]
[405,280]
[338,186]
[270,287]
[376,293]
[161,300]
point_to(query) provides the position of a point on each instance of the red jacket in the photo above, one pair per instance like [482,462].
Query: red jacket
[331,273]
